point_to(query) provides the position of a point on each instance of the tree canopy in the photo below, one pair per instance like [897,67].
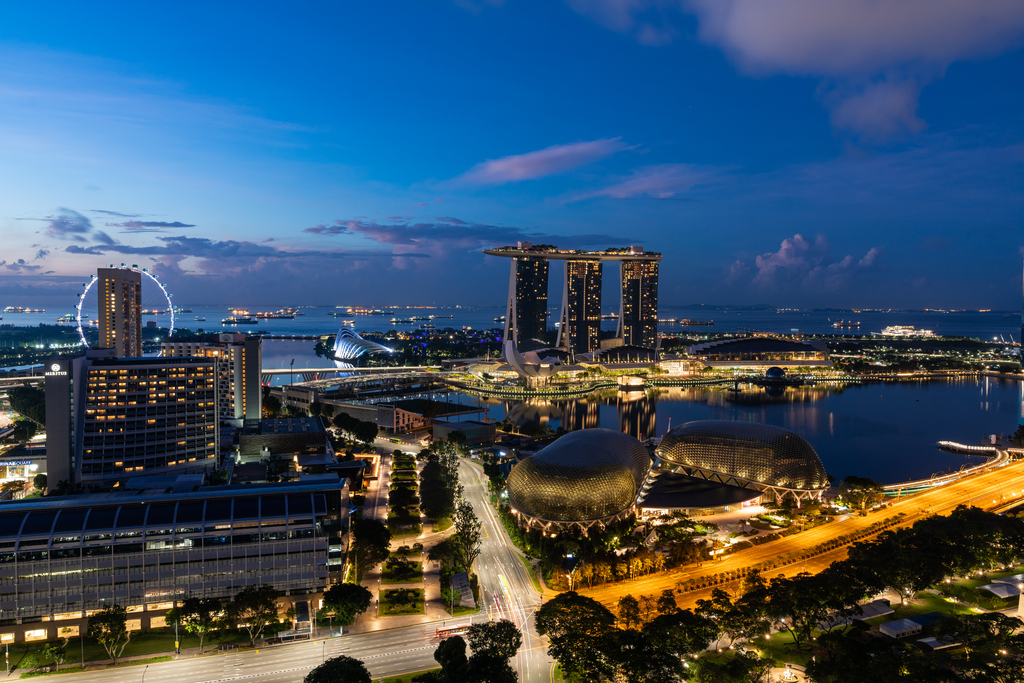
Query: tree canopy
[340,669]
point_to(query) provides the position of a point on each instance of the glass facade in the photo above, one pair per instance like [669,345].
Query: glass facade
[582,316]
[581,477]
[84,553]
[531,302]
[639,321]
[754,452]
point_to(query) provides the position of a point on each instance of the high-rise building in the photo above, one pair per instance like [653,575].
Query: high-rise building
[115,418]
[120,311]
[531,302]
[239,360]
[581,306]
[638,319]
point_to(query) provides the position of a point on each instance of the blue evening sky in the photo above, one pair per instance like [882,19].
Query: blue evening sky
[789,152]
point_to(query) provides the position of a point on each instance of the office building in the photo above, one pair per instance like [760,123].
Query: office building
[581,307]
[113,418]
[120,311]
[638,321]
[64,557]
[239,360]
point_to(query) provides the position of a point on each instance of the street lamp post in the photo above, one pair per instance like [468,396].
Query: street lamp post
[1020,600]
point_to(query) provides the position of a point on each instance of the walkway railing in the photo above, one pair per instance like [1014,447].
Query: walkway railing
[997,457]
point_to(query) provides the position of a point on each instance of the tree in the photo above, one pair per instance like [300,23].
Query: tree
[109,627]
[13,486]
[641,660]
[490,669]
[347,600]
[681,633]
[579,629]
[372,540]
[30,402]
[253,608]
[451,655]
[340,669]
[495,638]
[861,492]
[39,482]
[629,611]
[271,406]
[901,562]
[468,534]
[315,408]
[667,603]
[745,667]
[197,616]
[56,652]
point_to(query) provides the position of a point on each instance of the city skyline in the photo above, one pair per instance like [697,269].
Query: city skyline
[769,168]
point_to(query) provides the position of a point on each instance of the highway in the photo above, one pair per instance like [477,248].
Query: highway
[985,490]
[515,598]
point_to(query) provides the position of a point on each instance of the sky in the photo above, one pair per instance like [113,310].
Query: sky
[796,153]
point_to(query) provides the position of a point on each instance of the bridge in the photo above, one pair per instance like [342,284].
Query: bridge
[995,457]
[314,374]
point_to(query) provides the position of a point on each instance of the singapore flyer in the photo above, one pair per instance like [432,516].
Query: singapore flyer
[158,313]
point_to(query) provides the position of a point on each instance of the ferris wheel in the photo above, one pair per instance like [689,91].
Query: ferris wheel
[156,303]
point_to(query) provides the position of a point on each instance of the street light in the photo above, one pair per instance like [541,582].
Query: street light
[1020,599]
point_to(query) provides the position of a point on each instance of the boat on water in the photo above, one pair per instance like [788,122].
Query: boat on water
[904,331]
[846,323]
[22,309]
[239,320]
[67,318]
[610,316]
[200,318]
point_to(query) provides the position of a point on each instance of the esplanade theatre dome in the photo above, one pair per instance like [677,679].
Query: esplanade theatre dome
[745,453]
[582,477]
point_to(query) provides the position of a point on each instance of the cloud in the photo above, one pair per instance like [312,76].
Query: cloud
[645,20]
[68,223]
[139,225]
[41,253]
[448,233]
[115,213]
[19,265]
[805,264]
[664,181]
[875,56]
[544,162]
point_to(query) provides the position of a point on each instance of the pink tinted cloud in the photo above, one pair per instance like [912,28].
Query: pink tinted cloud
[543,162]
[801,262]
[663,181]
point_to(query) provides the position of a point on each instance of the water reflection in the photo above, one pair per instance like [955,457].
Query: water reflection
[887,432]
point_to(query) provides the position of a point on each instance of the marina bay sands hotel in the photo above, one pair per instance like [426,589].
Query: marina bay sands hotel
[580,321]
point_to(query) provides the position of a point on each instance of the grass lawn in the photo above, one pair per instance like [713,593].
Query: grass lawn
[405,678]
[402,572]
[780,648]
[149,642]
[462,610]
[402,531]
[443,524]
[394,601]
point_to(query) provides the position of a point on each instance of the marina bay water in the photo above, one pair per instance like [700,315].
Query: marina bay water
[884,431]
[319,320]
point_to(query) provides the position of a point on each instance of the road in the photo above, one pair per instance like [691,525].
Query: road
[515,599]
[983,490]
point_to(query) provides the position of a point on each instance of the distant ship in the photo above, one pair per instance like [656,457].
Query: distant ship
[239,320]
[67,318]
[610,316]
[200,317]
[904,331]
[846,323]
[20,309]
[182,310]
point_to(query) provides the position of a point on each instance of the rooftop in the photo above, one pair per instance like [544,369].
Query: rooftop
[551,253]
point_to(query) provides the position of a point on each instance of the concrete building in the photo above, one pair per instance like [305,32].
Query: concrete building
[239,360]
[62,558]
[112,418]
[120,311]
[760,353]
[283,436]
